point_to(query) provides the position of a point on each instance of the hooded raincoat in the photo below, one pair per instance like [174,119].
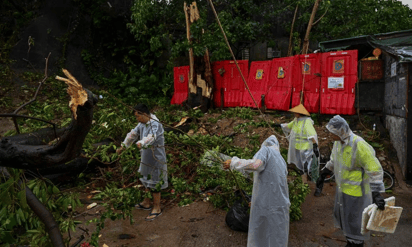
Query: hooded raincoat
[153,165]
[269,214]
[300,133]
[358,173]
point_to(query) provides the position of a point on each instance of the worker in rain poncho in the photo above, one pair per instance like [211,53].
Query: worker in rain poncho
[359,179]
[269,214]
[303,140]
[149,138]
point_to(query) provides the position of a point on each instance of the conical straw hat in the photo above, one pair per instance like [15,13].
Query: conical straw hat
[300,109]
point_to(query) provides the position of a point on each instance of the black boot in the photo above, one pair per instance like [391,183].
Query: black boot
[350,244]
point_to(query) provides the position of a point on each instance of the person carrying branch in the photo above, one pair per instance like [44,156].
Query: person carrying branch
[149,138]
[359,180]
[269,214]
[303,140]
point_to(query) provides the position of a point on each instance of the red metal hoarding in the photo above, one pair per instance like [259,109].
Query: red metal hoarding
[308,73]
[227,77]
[259,74]
[218,74]
[280,84]
[181,86]
[339,77]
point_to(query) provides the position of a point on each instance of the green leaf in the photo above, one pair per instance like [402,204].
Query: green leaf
[22,198]
[55,190]
[32,231]
[5,197]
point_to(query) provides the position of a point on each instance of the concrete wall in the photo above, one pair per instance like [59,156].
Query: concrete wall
[398,136]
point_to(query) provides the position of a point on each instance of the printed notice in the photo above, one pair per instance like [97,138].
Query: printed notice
[336,82]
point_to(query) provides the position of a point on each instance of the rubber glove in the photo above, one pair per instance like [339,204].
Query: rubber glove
[319,184]
[378,200]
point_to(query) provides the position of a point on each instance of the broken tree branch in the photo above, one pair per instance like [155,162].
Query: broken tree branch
[68,147]
[310,25]
[320,18]
[290,48]
[38,88]
[23,116]
[34,98]
[52,227]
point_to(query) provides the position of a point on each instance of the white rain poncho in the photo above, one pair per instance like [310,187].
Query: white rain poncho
[300,133]
[153,155]
[357,173]
[269,214]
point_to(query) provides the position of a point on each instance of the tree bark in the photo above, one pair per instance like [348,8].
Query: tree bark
[39,156]
[290,48]
[16,153]
[312,17]
[200,74]
[46,217]
[23,156]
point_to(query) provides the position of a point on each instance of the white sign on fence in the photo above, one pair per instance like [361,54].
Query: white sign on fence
[336,82]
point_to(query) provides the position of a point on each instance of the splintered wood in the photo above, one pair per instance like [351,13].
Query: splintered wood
[194,12]
[77,94]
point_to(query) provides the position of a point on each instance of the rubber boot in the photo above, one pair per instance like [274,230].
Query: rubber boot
[349,244]
[318,192]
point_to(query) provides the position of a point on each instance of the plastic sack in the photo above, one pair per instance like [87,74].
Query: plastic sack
[314,169]
[237,218]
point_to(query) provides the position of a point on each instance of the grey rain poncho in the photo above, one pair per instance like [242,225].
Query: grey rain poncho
[300,133]
[357,174]
[269,214]
[153,155]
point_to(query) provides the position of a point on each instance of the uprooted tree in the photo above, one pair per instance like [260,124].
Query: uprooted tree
[23,155]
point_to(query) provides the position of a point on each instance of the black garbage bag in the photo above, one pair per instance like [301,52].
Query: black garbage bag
[237,218]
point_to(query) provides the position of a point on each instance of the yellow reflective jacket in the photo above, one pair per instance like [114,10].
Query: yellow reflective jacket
[302,130]
[355,166]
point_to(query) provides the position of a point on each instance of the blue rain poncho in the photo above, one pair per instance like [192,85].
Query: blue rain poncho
[269,214]
[357,174]
[153,166]
[300,133]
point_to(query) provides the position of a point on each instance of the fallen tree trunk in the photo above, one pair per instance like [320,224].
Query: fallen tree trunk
[39,137]
[22,156]
[17,153]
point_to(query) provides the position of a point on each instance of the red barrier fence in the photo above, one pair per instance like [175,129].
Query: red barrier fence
[339,77]
[280,84]
[229,81]
[329,81]
[259,74]
[181,84]
[308,73]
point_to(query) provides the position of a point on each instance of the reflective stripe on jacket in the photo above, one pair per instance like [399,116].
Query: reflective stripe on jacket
[356,163]
[303,130]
